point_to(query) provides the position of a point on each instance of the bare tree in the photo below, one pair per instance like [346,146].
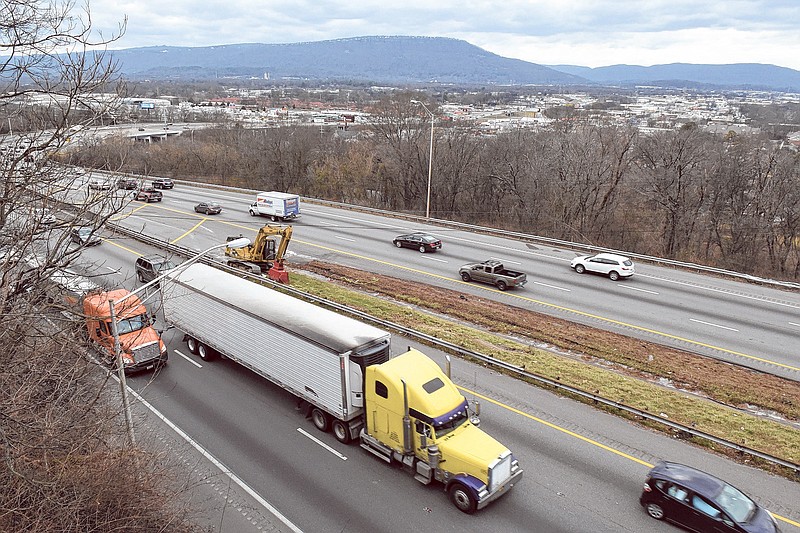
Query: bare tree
[63,464]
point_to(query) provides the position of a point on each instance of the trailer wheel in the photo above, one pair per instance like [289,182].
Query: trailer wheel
[205,353]
[341,431]
[191,344]
[462,498]
[320,419]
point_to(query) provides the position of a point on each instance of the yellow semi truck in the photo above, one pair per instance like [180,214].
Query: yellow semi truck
[403,409]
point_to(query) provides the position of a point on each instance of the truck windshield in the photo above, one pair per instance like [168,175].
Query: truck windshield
[450,425]
[134,323]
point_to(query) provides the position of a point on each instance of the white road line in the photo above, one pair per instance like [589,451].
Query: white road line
[635,289]
[190,359]
[504,261]
[552,286]
[429,258]
[315,439]
[325,223]
[224,469]
[794,324]
[352,219]
[344,238]
[729,293]
[711,324]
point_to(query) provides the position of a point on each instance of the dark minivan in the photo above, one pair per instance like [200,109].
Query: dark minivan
[701,502]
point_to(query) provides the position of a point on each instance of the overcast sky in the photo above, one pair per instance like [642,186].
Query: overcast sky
[549,32]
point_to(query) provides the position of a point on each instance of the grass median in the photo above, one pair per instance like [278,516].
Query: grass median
[704,393]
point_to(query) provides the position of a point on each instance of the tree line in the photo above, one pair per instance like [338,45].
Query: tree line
[728,201]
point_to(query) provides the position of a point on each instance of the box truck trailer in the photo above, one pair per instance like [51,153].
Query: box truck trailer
[403,409]
[276,205]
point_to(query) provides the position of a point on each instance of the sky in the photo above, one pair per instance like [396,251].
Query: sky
[588,33]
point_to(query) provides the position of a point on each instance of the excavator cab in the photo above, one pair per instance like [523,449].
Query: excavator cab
[265,254]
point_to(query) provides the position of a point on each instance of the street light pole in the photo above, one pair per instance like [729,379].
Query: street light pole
[430,160]
[123,384]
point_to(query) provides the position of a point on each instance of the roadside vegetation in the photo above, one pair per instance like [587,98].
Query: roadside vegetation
[727,401]
[728,201]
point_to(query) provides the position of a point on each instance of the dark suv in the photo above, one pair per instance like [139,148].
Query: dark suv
[148,194]
[163,183]
[149,267]
[127,183]
[700,502]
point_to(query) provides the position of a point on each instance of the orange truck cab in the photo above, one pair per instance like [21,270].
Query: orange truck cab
[141,345]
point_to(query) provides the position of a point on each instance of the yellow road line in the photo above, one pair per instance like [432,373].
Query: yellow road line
[584,439]
[527,299]
[561,308]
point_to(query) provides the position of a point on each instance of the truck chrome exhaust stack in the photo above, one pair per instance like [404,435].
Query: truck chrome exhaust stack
[408,448]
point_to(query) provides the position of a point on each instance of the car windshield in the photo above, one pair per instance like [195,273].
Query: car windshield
[84,232]
[166,265]
[134,323]
[735,504]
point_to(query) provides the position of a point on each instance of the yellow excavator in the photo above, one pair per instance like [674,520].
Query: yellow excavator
[265,254]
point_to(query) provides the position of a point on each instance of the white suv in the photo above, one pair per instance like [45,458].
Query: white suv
[612,265]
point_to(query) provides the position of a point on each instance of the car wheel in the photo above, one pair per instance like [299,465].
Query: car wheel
[613,275]
[422,249]
[398,244]
[465,276]
[191,344]
[462,498]
[140,275]
[580,269]
[502,285]
[320,419]
[274,218]
[252,213]
[655,511]
[341,431]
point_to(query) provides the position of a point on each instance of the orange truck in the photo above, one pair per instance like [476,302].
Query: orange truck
[141,345]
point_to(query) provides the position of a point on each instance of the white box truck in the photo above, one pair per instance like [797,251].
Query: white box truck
[276,205]
[403,410]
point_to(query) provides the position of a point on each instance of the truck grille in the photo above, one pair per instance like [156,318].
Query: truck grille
[500,471]
[147,352]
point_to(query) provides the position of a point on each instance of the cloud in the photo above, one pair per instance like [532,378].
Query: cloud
[579,32]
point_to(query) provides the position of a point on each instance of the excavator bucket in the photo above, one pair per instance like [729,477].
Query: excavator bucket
[277,273]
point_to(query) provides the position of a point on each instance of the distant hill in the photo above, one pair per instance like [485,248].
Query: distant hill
[400,60]
[367,59]
[738,75]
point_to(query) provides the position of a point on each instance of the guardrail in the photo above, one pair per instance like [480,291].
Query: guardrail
[525,237]
[458,350]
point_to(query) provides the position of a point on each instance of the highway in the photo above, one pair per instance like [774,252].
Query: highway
[743,323]
[583,468]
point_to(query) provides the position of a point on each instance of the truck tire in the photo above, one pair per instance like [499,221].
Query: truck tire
[252,213]
[191,344]
[205,353]
[613,275]
[501,285]
[274,218]
[321,419]
[341,431]
[465,276]
[580,269]
[462,498]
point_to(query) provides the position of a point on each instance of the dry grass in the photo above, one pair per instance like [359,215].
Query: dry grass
[614,366]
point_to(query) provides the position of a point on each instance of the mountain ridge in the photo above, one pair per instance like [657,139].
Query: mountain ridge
[423,60]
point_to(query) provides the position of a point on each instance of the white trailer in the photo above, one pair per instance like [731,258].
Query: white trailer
[316,354]
[276,205]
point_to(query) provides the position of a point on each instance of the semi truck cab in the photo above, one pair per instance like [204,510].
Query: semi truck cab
[416,416]
[142,347]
